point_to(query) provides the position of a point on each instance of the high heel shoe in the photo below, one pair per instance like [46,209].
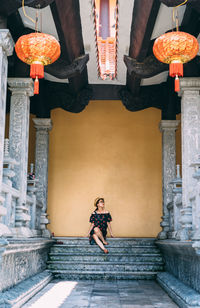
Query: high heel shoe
[105,251]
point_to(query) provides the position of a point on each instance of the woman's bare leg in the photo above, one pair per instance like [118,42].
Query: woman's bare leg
[98,232]
[99,243]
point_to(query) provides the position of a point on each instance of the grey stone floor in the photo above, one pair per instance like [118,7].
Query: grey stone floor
[101,294]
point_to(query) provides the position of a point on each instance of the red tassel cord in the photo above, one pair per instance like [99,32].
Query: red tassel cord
[36,86]
[37,70]
[176,69]
[177,84]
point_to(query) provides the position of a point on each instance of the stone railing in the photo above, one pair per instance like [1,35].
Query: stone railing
[11,196]
[175,205]
[22,220]
[177,217]
[195,202]
[35,207]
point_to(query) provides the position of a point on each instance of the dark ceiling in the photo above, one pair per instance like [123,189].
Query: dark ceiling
[140,62]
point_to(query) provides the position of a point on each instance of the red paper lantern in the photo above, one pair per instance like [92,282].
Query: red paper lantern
[37,50]
[175,48]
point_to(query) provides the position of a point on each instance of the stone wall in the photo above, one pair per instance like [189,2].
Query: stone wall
[21,259]
[182,261]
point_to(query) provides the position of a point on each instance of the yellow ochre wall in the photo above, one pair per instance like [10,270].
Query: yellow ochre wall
[111,152]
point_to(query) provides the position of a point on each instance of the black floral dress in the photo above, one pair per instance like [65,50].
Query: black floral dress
[100,221]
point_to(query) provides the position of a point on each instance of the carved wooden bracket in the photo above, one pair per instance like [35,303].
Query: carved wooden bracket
[60,69]
[148,68]
[150,97]
[59,95]
[158,96]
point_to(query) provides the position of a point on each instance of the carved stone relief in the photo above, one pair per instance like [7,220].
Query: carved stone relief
[43,126]
[21,89]
[22,260]
[190,121]
[6,49]
[168,128]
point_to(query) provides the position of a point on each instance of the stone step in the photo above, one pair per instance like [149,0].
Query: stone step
[105,266]
[128,258]
[99,275]
[119,242]
[16,296]
[96,249]
[107,258]
[182,294]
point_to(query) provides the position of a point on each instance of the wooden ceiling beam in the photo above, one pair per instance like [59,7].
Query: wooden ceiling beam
[9,7]
[193,3]
[191,21]
[150,66]
[66,14]
[143,20]
[177,2]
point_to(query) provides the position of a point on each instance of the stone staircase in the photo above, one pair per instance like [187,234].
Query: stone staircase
[129,258]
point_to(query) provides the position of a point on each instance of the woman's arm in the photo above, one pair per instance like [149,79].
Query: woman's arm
[91,226]
[110,229]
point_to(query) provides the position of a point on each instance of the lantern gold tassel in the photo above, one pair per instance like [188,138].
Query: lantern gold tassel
[36,86]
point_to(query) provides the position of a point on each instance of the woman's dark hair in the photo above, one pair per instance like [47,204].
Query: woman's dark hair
[97,201]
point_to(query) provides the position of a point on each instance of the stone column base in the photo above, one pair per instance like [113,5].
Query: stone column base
[3,244]
[4,230]
[36,233]
[162,235]
[22,232]
[44,221]
[46,233]
[196,246]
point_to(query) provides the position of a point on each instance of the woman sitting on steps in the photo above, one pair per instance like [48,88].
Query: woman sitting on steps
[100,219]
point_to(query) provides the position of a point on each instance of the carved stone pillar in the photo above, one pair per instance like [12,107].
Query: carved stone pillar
[22,89]
[8,174]
[177,203]
[6,49]
[190,129]
[196,202]
[43,126]
[168,129]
